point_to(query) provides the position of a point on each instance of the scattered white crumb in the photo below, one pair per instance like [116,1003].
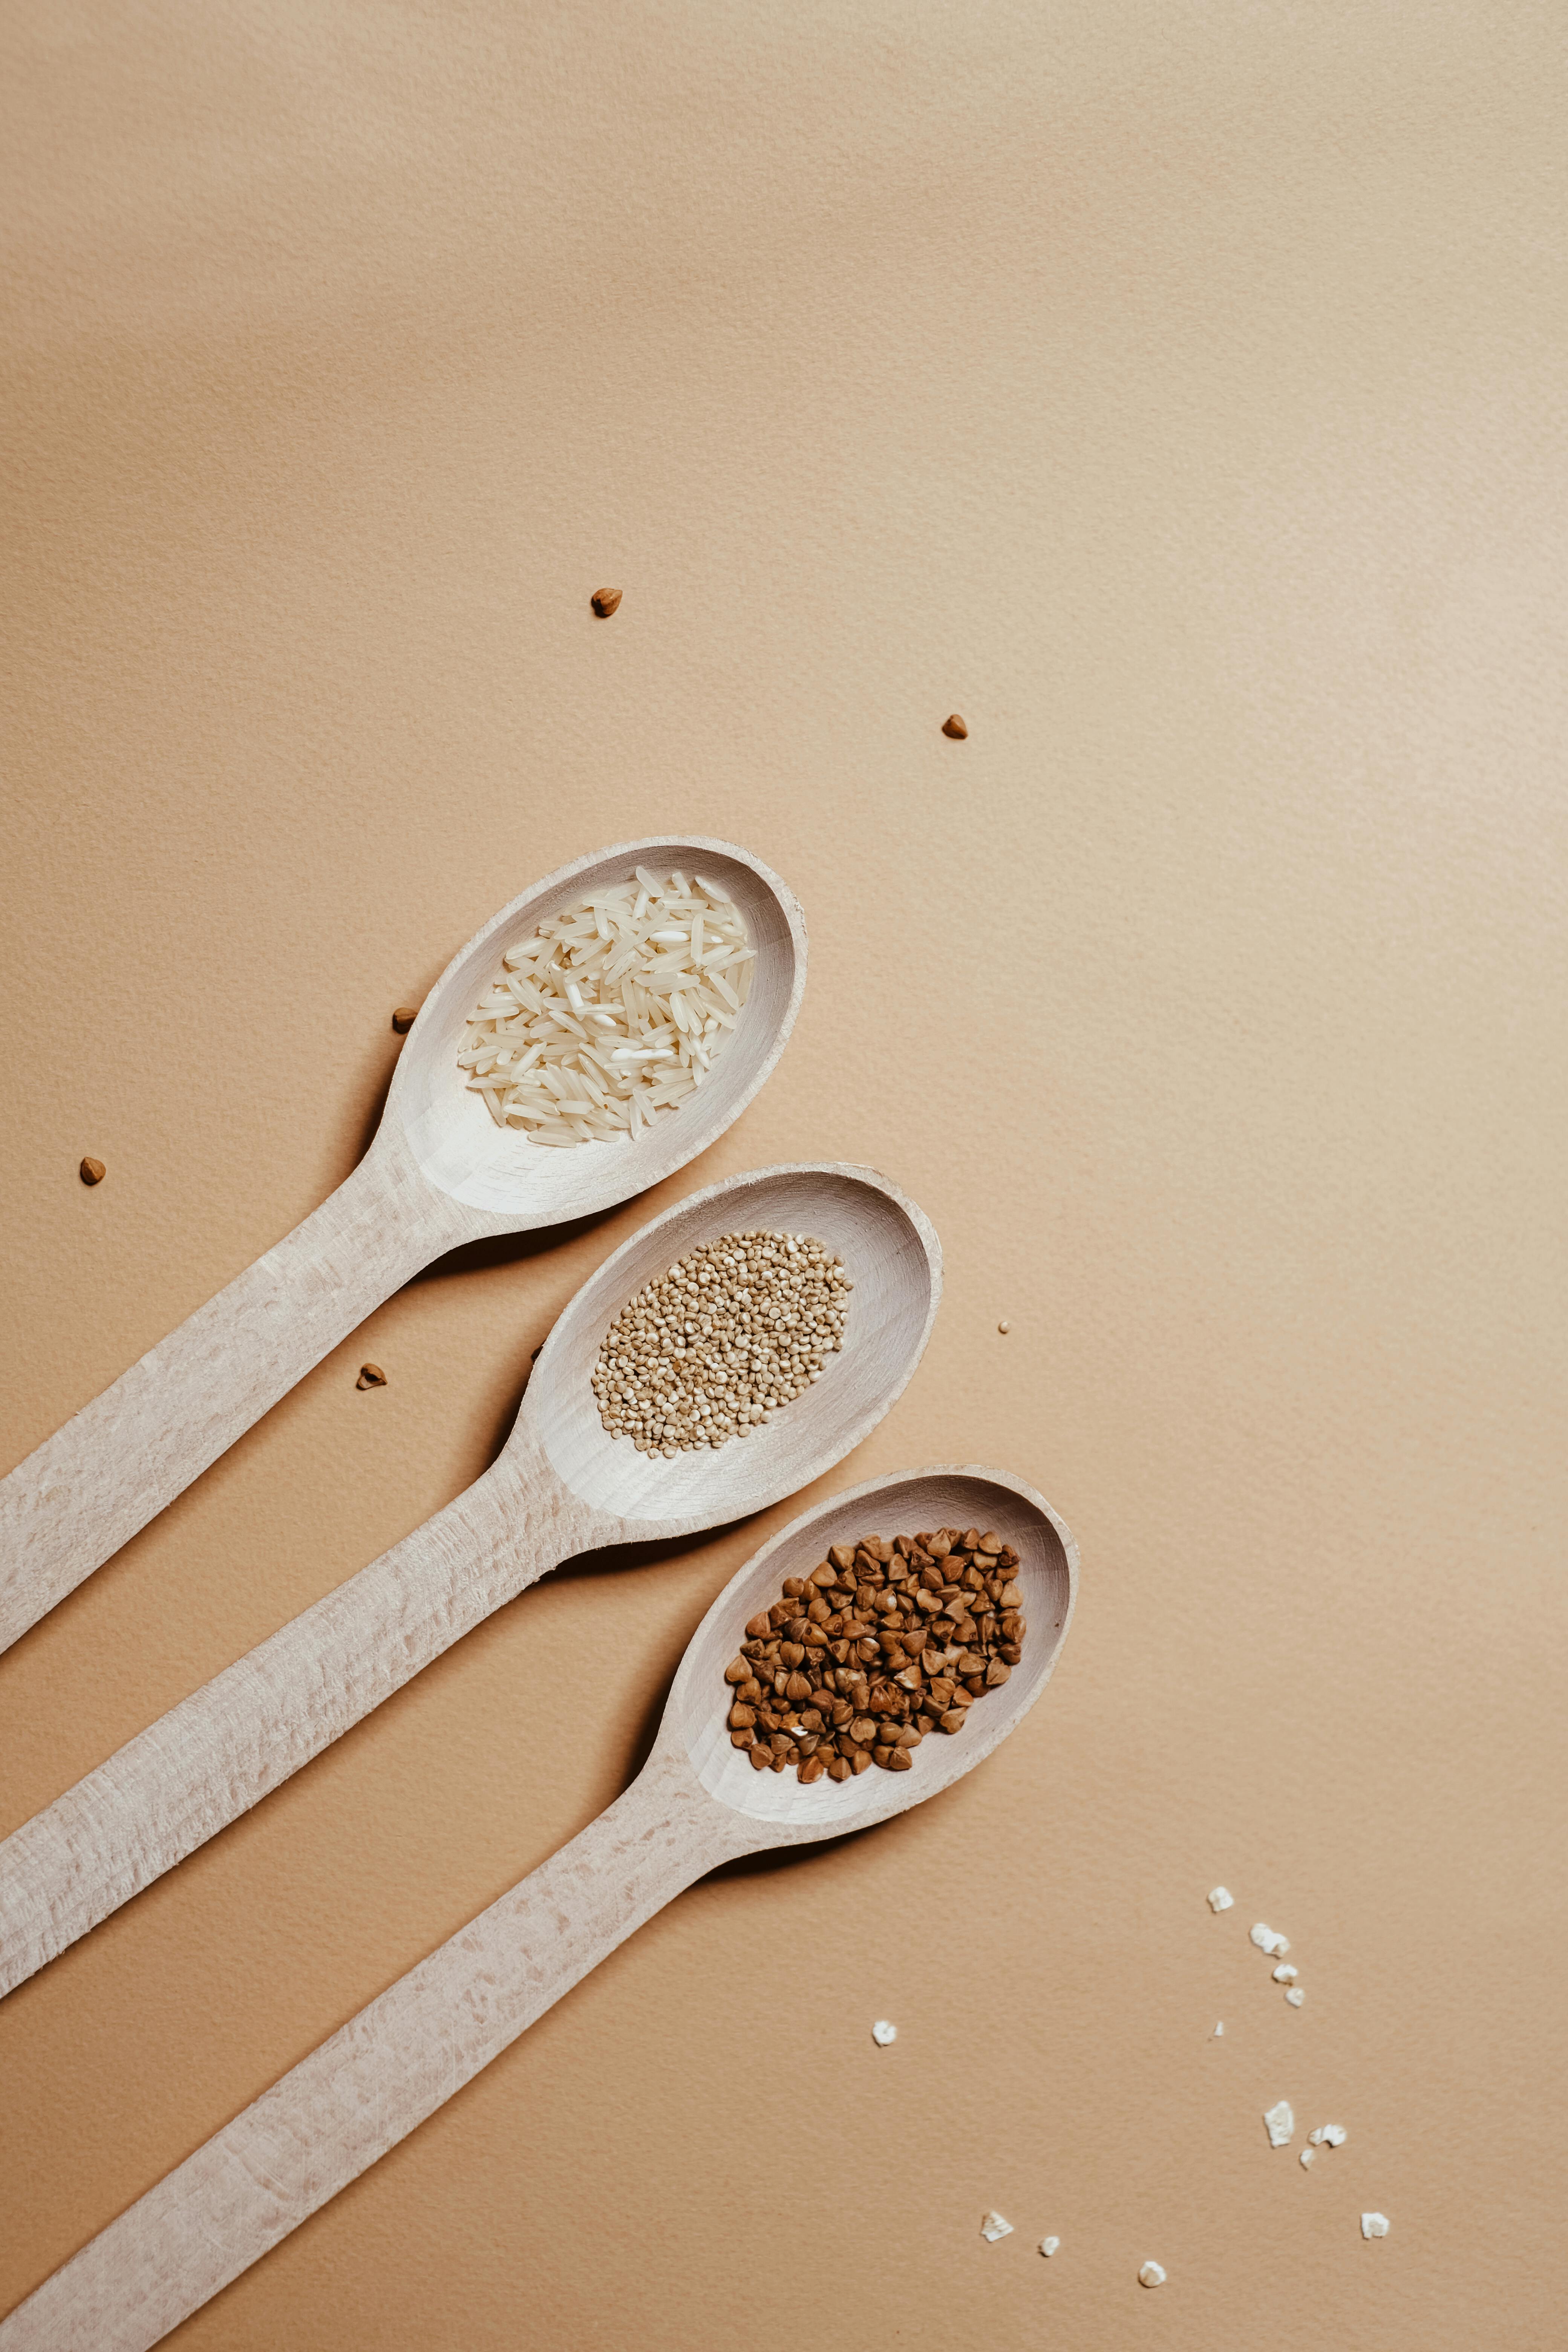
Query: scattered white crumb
[1219,2031]
[1335,2134]
[1150,2275]
[1309,2153]
[1281,2125]
[1295,1996]
[993,2227]
[883,2033]
[1287,1972]
[1318,2137]
[1220,1898]
[1268,1940]
[1049,2245]
[1374,2225]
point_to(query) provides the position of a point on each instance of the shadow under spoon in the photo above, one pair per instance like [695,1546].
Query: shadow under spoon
[560,1487]
[695,1803]
[438,1173]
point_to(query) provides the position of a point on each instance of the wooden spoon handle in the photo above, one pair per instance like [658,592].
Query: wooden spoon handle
[394,2063]
[219,1752]
[88,1489]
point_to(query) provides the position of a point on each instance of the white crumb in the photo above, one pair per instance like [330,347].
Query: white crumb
[1049,2245]
[1307,2154]
[1281,2125]
[1268,1939]
[1287,1972]
[1317,2137]
[1374,2225]
[1220,1898]
[1295,1996]
[1335,2134]
[883,2033]
[1219,2031]
[993,2227]
[1150,2275]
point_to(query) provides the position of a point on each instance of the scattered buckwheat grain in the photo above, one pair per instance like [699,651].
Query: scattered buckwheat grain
[733,1333]
[881,1644]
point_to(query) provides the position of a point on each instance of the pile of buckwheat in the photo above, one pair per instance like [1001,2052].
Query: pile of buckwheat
[881,1644]
[717,1345]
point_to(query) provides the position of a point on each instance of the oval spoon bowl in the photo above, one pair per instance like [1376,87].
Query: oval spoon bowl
[455,1142]
[961,1495]
[892,1257]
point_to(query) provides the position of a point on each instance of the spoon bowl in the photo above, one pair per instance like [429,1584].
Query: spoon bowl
[450,1135]
[377,2079]
[694,1718]
[890,1254]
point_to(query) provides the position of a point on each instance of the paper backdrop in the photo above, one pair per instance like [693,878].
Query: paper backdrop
[1173,392]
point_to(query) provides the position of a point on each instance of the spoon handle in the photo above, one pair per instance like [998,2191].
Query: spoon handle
[220,1751]
[401,2058]
[116,1464]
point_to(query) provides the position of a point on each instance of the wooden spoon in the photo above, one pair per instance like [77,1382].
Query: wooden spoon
[560,1487]
[695,1803]
[440,1172]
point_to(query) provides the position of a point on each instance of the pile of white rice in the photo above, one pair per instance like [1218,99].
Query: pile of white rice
[615,1011]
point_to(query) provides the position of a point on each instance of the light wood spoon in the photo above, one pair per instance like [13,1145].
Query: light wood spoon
[438,1173]
[560,1487]
[695,1803]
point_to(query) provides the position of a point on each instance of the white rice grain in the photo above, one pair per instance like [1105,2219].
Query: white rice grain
[614,1011]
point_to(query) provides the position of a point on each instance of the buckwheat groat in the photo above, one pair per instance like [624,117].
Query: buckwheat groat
[881,1644]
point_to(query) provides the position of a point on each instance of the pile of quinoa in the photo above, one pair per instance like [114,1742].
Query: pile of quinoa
[733,1333]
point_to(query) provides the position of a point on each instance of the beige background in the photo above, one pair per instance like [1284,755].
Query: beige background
[1175,390]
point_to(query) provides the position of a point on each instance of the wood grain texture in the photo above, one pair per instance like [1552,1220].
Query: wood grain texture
[220,1751]
[697,1803]
[377,2079]
[561,1486]
[117,1462]
[438,1173]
